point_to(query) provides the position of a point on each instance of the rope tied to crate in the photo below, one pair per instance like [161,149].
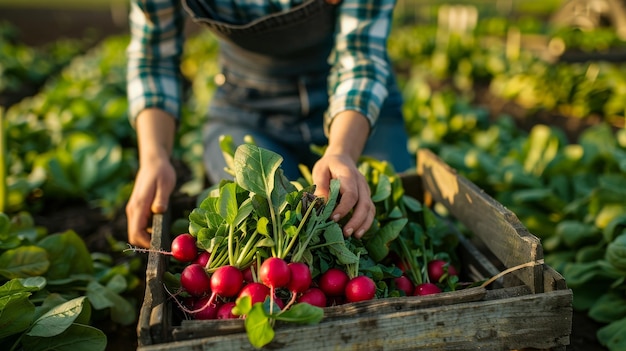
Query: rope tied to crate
[512,269]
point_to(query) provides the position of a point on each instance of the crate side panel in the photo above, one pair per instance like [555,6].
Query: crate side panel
[153,326]
[541,321]
[496,226]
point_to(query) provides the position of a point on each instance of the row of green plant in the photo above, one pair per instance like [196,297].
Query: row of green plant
[488,57]
[570,194]
[25,68]
[71,143]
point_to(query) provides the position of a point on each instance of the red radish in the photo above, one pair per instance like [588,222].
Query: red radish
[274,272]
[202,258]
[426,289]
[225,311]
[205,310]
[278,301]
[300,277]
[360,288]
[403,283]
[333,282]
[226,281]
[397,260]
[313,296]
[335,300]
[437,269]
[184,247]
[247,275]
[195,280]
[258,292]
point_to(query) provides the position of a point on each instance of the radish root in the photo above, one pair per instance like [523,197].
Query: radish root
[142,250]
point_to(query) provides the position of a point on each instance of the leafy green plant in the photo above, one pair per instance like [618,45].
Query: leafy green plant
[53,289]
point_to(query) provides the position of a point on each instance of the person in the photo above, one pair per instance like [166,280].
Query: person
[293,73]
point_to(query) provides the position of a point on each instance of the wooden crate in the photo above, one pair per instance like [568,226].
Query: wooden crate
[529,308]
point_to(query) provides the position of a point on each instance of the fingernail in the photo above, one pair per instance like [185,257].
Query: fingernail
[336,217]
[349,231]
[360,233]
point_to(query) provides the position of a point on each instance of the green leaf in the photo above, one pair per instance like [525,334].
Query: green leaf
[383,189]
[68,255]
[16,313]
[615,228]
[101,297]
[302,313]
[49,303]
[575,234]
[329,206]
[542,147]
[77,337]
[580,273]
[227,203]
[227,145]
[262,225]
[24,261]
[608,308]
[337,245]
[58,319]
[378,244]
[243,306]
[117,284]
[258,326]
[613,335]
[616,252]
[17,285]
[245,209]
[255,169]
[412,203]
[5,225]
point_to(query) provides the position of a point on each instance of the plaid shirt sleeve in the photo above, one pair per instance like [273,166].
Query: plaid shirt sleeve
[154,51]
[360,62]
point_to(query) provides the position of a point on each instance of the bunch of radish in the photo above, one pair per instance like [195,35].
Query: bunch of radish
[213,295]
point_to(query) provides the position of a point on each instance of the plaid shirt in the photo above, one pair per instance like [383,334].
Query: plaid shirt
[360,66]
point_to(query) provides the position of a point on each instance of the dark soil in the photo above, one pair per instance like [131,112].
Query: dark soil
[39,26]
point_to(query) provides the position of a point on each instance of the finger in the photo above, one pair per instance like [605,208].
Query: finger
[161,201]
[349,198]
[363,227]
[363,214]
[137,216]
[137,224]
[322,183]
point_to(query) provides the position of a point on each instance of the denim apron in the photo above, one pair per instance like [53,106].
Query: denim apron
[273,87]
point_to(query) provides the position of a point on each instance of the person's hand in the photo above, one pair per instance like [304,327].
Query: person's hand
[154,184]
[354,190]
[156,177]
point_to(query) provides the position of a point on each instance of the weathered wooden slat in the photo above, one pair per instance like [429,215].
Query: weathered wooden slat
[196,329]
[153,315]
[494,224]
[500,324]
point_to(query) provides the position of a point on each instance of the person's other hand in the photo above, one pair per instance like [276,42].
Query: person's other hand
[354,190]
[154,184]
